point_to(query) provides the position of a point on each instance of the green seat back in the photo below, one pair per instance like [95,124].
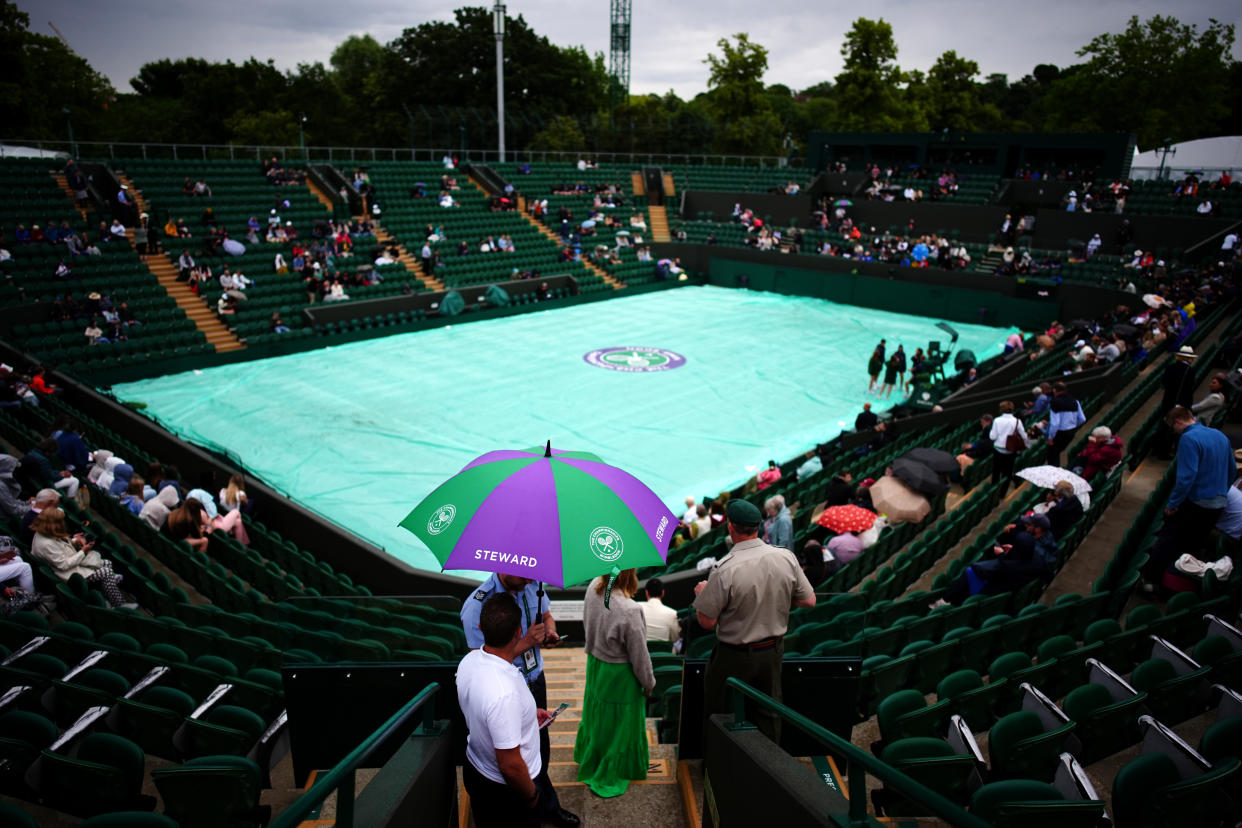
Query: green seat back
[985,801]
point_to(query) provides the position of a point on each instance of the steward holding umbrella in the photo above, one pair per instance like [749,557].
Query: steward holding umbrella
[538,629]
[746,600]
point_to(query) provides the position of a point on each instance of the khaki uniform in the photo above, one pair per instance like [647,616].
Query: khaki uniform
[749,593]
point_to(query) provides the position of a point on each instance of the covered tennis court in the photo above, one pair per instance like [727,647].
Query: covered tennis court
[692,390]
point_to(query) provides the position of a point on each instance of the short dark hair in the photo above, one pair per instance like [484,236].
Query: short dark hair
[655,588]
[1059,387]
[1179,414]
[499,619]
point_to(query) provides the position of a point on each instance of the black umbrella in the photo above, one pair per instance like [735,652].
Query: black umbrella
[918,477]
[1125,331]
[938,461]
[965,360]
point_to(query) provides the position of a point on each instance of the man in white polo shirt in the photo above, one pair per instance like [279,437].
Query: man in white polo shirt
[503,769]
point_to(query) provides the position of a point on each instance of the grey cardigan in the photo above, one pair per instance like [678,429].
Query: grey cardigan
[619,634]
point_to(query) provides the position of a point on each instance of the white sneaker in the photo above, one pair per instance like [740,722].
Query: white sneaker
[939,602]
[131,605]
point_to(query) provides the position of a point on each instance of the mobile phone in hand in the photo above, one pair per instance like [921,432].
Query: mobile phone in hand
[552,716]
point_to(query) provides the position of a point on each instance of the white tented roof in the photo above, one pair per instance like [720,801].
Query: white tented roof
[1223,153]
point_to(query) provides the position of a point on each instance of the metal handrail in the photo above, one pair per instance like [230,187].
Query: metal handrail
[341,777]
[313,154]
[854,759]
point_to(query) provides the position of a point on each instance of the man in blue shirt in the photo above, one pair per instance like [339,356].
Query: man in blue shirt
[1205,471]
[538,630]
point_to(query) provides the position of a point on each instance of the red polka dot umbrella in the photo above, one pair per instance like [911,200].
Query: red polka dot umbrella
[848,518]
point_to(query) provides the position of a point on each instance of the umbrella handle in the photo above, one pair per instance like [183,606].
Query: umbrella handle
[539,602]
[612,579]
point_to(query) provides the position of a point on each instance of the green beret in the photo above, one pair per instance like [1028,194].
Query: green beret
[743,513]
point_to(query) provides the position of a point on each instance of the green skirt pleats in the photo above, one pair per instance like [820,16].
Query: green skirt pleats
[611,748]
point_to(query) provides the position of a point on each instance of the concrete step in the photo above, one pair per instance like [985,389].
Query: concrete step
[609,280]
[659,223]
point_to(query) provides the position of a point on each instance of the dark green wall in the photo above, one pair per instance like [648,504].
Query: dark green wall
[939,301]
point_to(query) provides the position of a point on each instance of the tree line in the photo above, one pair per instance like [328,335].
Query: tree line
[434,86]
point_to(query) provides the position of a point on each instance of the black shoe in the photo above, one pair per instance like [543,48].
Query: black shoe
[563,819]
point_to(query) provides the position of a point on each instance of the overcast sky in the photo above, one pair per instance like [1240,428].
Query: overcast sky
[670,39]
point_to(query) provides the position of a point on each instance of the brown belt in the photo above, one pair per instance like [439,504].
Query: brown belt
[764,644]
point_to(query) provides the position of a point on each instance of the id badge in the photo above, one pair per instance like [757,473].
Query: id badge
[529,661]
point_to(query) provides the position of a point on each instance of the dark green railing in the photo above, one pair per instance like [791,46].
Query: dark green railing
[855,761]
[341,777]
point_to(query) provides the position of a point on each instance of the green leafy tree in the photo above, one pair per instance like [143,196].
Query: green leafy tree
[1162,79]
[869,88]
[40,77]
[455,63]
[954,100]
[743,113]
[562,135]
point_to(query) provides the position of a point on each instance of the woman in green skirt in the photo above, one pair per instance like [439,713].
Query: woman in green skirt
[611,748]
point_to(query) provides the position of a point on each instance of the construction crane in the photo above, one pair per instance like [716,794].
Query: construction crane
[59,35]
[619,51]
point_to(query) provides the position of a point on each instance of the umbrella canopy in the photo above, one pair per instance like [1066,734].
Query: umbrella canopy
[1151,300]
[233,247]
[843,202]
[1048,476]
[897,502]
[938,461]
[1125,331]
[918,477]
[965,360]
[847,518]
[557,516]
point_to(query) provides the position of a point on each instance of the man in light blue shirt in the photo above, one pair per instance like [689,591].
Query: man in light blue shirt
[1230,522]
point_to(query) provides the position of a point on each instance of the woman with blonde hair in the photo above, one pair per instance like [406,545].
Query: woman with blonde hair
[611,747]
[233,496]
[74,555]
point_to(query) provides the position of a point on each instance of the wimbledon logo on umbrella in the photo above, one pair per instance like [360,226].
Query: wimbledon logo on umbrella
[606,544]
[634,358]
[441,519]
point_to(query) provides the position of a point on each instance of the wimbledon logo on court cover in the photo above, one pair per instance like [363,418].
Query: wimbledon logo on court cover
[634,358]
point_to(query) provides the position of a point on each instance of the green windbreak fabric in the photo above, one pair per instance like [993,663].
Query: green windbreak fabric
[361,433]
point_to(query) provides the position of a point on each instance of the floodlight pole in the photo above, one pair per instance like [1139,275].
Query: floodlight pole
[498,28]
[73,145]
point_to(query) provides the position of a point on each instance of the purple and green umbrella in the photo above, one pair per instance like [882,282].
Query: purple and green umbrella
[560,517]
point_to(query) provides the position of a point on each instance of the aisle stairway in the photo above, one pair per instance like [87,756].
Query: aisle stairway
[656,800]
[406,258]
[63,183]
[659,223]
[317,192]
[609,280]
[637,184]
[218,335]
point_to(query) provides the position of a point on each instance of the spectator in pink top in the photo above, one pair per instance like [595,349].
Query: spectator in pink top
[769,475]
[1014,344]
